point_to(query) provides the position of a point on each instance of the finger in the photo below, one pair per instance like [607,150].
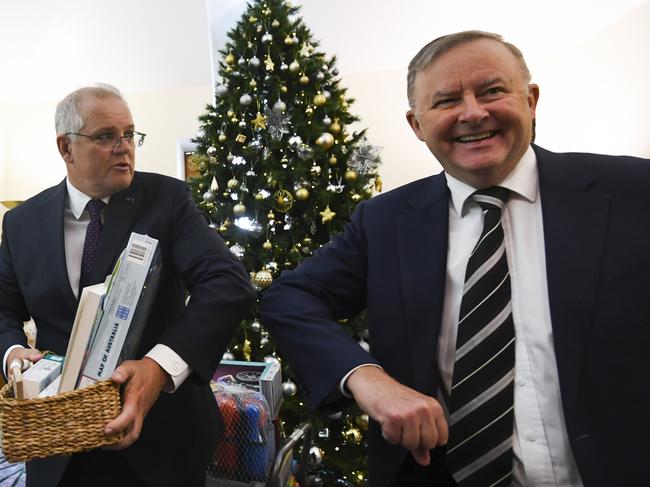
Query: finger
[123,421]
[122,373]
[411,436]
[443,430]
[392,433]
[422,456]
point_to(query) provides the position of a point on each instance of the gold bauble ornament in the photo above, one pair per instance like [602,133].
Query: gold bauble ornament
[356,197]
[270,215]
[233,183]
[325,140]
[288,40]
[304,79]
[259,197]
[252,19]
[315,170]
[267,245]
[378,184]
[222,138]
[309,111]
[320,100]
[282,201]
[246,350]
[263,278]
[275,24]
[332,160]
[230,113]
[353,434]
[350,176]
[239,209]
[335,127]
[252,83]
[230,59]
[302,194]
[283,89]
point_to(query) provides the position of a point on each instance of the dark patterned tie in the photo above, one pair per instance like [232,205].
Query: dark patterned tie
[93,233]
[479,452]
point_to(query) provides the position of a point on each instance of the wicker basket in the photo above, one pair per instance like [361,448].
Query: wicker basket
[59,425]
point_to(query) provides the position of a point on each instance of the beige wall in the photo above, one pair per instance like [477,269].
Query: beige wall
[594,97]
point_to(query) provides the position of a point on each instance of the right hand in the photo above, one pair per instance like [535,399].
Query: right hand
[407,417]
[19,354]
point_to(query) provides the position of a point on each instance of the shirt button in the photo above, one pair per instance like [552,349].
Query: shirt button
[521,383]
[531,437]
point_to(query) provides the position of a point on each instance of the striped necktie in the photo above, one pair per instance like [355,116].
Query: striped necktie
[479,452]
[93,232]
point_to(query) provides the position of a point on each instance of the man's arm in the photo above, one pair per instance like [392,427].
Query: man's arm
[221,295]
[301,311]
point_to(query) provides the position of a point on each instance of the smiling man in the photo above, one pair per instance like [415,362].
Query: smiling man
[505,296]
[68,237]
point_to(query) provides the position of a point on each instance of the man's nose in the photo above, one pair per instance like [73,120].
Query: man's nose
[472,111]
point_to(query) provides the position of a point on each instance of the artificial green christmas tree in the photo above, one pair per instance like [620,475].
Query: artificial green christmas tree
[280,172]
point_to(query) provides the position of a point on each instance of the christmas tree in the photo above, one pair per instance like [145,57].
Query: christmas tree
[280,172]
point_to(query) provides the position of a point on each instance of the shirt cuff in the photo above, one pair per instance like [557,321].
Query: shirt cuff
[344,390]
[4,359]
[176,367]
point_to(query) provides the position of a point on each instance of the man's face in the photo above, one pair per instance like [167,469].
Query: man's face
[474,111]
[97,171]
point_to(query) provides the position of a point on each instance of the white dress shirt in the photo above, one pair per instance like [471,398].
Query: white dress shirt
[75,221]
[543,455]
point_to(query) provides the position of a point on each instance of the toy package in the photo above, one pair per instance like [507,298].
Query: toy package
[247,449]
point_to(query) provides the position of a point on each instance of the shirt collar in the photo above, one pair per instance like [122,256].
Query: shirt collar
[523,181]
[77,200]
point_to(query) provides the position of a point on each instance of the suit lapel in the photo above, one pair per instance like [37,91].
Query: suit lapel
[422,236]
[118,220]
[52,227]
[575,222]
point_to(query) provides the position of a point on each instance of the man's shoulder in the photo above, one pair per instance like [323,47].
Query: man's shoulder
[154,179]
[426,188]
[49,196]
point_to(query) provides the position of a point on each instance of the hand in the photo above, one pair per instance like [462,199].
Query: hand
[407,417]
[20,354]
[144,380]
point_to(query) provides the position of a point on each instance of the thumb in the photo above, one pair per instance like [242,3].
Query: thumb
[422,456]
[122,373]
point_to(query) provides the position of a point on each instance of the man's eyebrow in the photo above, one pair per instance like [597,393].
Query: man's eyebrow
[112,129]
[490,81]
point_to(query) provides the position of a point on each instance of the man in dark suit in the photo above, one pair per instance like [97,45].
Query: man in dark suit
[572,240]
[170,437]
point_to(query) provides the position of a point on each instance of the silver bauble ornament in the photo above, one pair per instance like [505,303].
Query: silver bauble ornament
[267,38]
[327,120]
[279,106]
[245,99]
[256,326]
[221,90]
[228,356]
[270,359]
[241,62]
[239,209]
[289,388]
[254,62]
[212,151]
[320,76]
[293,67]
[208,197]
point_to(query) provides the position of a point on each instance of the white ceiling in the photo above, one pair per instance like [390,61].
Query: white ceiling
[48,47]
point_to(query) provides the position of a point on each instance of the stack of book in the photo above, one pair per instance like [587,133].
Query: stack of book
[111,317]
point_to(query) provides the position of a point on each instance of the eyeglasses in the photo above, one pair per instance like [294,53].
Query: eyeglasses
[110,141]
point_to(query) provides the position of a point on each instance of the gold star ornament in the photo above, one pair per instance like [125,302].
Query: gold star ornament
[268,63]
[327,215]
[259,122]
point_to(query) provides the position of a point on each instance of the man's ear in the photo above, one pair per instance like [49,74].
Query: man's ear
[414,123]
[63,144]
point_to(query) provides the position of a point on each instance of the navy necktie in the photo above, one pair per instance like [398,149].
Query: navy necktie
[93,232]
[479,452]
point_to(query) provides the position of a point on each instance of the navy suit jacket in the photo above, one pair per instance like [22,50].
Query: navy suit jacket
[180,432]
[391,259]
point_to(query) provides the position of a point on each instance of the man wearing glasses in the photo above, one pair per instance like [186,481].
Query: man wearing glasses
[47,257]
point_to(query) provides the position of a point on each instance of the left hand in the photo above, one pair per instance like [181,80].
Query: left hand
[144,380]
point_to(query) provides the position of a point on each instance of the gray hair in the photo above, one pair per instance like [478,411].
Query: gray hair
[436,48]
[67,118]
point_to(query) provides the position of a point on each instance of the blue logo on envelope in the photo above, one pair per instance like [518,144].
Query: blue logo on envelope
[122,312]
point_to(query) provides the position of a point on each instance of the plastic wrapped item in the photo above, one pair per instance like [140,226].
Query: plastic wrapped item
[247,449]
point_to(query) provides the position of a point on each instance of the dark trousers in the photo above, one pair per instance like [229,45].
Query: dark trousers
[99,468]
[434,475]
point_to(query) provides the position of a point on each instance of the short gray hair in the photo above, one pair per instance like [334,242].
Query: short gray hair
[67,117]
[436,48]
